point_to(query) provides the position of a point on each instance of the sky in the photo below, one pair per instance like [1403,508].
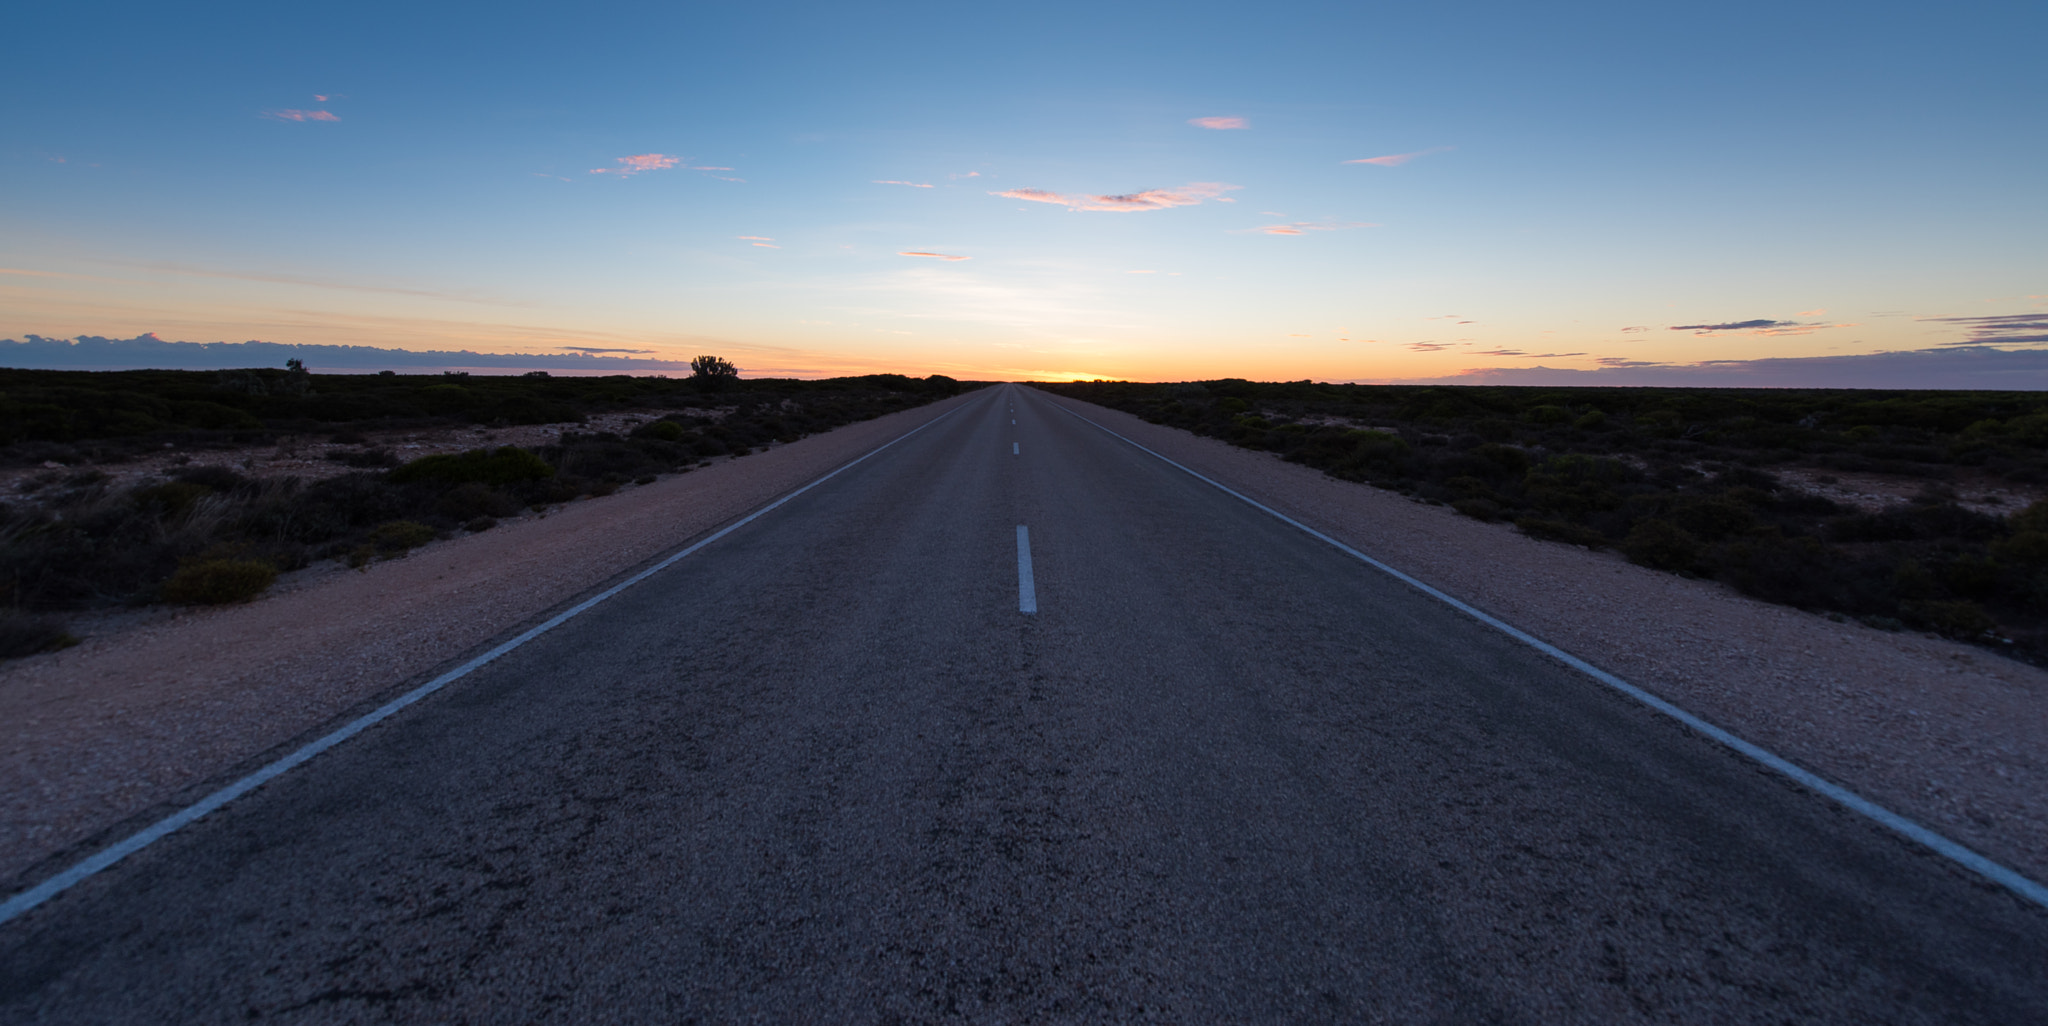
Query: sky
[1356,191]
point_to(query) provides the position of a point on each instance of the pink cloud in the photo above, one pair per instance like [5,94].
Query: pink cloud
[892,181]
[1398,159]
[970,174]
[300,115]
[1303,227]
[637,163]
[765,245]
[756,238]
[1188,195]
[934,256]
[1219,123]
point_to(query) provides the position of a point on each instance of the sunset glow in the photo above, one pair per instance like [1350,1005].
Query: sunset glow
[1563,191]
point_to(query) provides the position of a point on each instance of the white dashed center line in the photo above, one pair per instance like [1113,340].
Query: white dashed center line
[1027,589]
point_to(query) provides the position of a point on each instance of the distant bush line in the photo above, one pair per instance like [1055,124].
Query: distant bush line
[1681,480]
[208,534]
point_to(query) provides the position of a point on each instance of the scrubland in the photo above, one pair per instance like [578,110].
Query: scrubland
[137,487]
[1904,510]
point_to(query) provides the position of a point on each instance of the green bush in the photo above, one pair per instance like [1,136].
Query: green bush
[502,466]
[22,634]
[475,499]
[1661,545]
[661,430]
[400,536]
[213,582]
[1956,619]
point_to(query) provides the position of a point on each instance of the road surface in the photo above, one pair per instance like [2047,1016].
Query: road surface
[828,769]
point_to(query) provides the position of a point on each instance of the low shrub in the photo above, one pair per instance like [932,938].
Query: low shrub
[400,536]
[661,430]
[24,634]
[1661,545]
[505,465]
[213,582]
[470,501]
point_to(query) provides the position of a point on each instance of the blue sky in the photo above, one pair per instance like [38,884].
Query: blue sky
[1584,180]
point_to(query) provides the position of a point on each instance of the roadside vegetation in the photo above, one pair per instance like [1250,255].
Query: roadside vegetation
[1693,481]
[205,533]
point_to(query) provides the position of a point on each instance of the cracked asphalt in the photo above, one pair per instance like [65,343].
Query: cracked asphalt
[825,771]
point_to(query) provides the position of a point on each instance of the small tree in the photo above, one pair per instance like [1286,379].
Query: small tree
[713,374]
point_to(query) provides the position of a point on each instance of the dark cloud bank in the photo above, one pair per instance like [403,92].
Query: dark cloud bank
[91,352]
[1958,367]
[1950,367]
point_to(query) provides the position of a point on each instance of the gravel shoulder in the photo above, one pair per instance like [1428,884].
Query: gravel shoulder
[1945,733]
[156,708]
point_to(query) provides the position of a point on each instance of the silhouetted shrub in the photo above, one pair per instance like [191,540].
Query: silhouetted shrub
[23,634]
[501,466]
[400,536]
[472,500]
[1662,545]
[1954,618]
[662,430]
[213,582]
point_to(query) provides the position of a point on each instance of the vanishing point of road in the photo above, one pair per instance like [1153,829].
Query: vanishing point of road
[1013,722]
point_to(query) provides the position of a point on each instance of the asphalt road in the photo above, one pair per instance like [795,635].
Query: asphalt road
[826,771]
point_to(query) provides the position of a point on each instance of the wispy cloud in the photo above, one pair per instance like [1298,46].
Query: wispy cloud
[756,238]
[1304,227]
[633,165]
[600,349]
[934,256]
[1729,325]
[1758,326]
[300,115]
[1219,123]
[324,97]
[2000,330]
[1191,194]
[970,174]
[1398,159]
[1969,367]
[892,181]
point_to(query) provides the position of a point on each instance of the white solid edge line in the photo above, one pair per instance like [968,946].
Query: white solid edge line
[58,884]
[1027,586]
[1952,850]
